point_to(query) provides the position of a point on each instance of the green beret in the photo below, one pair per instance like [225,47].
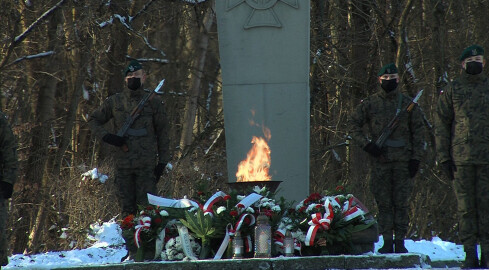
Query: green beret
[472,51]
[133,66]
[388,69]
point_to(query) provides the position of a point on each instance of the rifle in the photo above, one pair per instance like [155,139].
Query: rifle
[136,112]
[387,131]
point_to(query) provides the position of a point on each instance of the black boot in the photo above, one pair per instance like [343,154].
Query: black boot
[388,244]
[399,246]
[471,258]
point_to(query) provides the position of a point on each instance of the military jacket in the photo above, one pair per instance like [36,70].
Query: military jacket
[375,112]
[147,138]
[8,152]
[462,121]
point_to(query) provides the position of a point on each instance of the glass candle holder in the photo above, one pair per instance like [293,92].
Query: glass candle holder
[288,244]
[238,246]
[263,238]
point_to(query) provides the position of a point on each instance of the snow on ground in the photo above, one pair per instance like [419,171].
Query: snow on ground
[108,248]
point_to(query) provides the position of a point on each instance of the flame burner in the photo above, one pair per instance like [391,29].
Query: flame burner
[244,186]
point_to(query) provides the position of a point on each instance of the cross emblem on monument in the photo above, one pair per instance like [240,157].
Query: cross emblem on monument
[262,14]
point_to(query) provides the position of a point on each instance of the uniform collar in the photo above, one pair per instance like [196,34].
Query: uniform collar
[139,93]
[392,94]
[473,78]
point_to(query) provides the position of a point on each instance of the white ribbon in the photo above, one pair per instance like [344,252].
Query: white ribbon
[248,201]
[187,248]
[225,242]
[182,203]
[160,242]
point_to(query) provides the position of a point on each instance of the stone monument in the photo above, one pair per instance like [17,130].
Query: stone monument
[264,51]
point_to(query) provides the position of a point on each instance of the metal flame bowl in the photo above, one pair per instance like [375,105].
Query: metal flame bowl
[245,186]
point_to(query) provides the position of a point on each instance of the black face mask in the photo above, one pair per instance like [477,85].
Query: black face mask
[473,67]
[133,83]
[389,85]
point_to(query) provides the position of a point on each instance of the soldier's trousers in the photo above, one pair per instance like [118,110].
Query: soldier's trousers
[133,186]
[392,187]
[3,233]
[471,187]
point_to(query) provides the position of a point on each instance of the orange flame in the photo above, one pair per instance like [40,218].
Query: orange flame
[255,167]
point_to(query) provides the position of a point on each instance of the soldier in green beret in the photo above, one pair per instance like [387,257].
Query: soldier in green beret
[8,177]
[140,166]
[462,144]
[393,166]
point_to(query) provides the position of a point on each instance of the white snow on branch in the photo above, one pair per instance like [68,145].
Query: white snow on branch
[43,16]
[39,55]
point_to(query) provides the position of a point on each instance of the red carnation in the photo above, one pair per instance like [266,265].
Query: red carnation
[302,209]
[234,213]
[227,197]
[340,188]
[149,207]
[318,206]
[158,220]
[240,205]
[314,196]
[127,223]
[200,193]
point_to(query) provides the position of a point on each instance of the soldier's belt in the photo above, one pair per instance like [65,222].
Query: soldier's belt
[137,132]
[395,143]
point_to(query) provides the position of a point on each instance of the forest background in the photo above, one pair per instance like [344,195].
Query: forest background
[59,59]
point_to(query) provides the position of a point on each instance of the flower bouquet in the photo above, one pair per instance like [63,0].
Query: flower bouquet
[324,225]
[146,232]
[221,215]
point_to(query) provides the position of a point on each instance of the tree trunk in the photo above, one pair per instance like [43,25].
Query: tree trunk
[41,156]
[195,79]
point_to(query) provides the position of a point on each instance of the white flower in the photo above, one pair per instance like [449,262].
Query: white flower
[164,213]
[276,208]
[250,210]
[240,197]
[179,256]
[258,190]
[193,209]
[220,209]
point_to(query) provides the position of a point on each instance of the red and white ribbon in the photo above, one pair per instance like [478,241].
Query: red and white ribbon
[247,243]
[144,223]
[316,223]
[351,210]
[207,208]
[241,220]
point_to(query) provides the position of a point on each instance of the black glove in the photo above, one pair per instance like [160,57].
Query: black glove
[448,167]
[114,139]
[413,167]
[6,188]
[372,149]
[159,171]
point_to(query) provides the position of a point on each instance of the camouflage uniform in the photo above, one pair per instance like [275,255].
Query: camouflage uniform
[462,136]
[390,181]
[147,140]
[8,167]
